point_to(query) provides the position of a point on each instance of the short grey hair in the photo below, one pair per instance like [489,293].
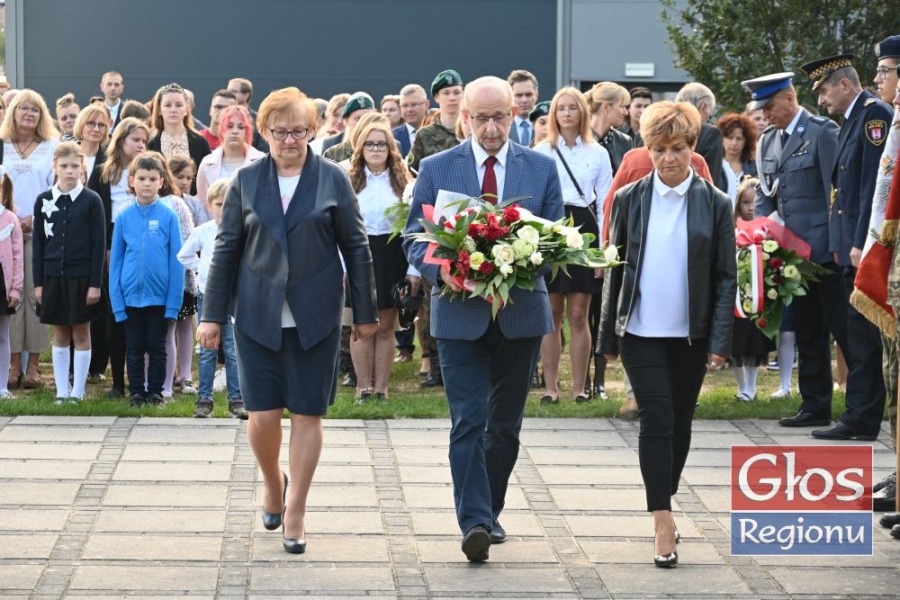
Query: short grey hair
[412,88]
[696,93]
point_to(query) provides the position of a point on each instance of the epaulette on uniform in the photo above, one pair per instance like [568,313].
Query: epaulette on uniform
[818,119]
[870,101]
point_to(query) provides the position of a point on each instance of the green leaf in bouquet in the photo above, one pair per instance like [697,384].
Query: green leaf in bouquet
[398,215]
[773,324]
[505,203]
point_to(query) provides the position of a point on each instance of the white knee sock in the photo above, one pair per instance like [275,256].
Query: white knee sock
[61,371]
[750,374]
[82,363]
[741,380]
[786,342]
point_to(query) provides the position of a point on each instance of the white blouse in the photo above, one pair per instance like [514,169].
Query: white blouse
[30,176]
[374,199]
[590,165]
[661,307]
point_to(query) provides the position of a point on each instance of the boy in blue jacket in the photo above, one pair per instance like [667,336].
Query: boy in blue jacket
[146,281]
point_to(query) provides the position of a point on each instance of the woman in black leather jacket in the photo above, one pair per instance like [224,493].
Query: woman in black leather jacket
[668,311]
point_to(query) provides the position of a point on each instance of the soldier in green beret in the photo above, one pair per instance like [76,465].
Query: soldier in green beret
[447,89]
[357,106]
[539,116]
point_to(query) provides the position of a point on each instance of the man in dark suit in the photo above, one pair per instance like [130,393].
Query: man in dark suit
[487,363]
[860,144]
[525,95]
[112,85]
[794,159]
[413,107]
[709,144]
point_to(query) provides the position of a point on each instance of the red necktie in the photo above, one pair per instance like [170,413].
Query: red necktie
[489,184]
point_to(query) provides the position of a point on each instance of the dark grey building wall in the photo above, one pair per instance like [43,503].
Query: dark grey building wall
[321,46]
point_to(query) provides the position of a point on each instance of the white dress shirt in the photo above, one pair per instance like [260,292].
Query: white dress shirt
[590,165]
[374,199]
[499,167]
[661,305]
[412,134]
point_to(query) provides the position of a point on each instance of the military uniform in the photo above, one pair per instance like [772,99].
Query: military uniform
[795,180]
[430,140]
[860,145]
[340,152]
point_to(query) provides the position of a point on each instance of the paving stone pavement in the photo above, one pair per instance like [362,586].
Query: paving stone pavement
[158,508]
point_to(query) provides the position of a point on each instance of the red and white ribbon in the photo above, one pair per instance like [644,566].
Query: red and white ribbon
[757,287]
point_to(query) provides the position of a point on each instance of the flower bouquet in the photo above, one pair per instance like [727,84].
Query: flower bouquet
[491,249]
[773,267]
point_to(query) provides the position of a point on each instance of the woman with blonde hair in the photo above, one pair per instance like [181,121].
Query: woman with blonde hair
[585,175]
[379,177]
[174,129]
[607,102]
[29,140]
[92,133]
[66,113]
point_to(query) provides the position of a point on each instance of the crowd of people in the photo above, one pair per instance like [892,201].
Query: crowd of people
[129,229]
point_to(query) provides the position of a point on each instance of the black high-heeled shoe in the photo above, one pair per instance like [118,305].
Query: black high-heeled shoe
[273,521]
[291,545]
[666,561]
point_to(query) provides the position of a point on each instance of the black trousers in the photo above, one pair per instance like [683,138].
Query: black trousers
[145,333]
[115,337]
[666,374]
[822,311]
[865,380]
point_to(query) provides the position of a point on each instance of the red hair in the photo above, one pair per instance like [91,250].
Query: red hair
[240,113]
[732,121]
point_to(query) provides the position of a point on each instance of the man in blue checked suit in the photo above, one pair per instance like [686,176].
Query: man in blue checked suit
[487,364]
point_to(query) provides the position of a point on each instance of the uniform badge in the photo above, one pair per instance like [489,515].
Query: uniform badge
[876,131]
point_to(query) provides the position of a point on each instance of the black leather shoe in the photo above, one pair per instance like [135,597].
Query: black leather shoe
[890,478]
[666,561]
[138,400]
[293,546]
[895,532]
[272,521]
[476,544]
[885,499]
[547,399]
[841,431]
[115,392]
[582,398]
[890,520]
[804,419]
[498,534]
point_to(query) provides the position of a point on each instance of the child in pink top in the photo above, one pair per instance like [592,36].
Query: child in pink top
[13,268]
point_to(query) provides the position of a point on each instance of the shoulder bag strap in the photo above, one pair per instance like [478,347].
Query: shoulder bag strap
[574,181]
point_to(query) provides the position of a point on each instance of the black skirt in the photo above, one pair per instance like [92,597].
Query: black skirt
[63,302]
[580,280]
[188,306]
[389,263]
[750,346]
[302,381]
[3,294]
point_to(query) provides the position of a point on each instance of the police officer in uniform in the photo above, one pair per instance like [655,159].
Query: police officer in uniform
[860,144]
[440,135]
[794,159]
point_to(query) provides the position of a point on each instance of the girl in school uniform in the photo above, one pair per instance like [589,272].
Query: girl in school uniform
[67,261]
[12,274]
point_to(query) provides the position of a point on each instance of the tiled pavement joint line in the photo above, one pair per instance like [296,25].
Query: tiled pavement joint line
[408,573]
[757,578]
[578,568]
[234,570]
[60,567]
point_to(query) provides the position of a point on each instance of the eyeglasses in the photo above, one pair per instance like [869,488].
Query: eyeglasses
[29,109]
[497,119]
[281,134]
[95,125]
[883,71]
[376,146]
[567,109]
[412,105]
